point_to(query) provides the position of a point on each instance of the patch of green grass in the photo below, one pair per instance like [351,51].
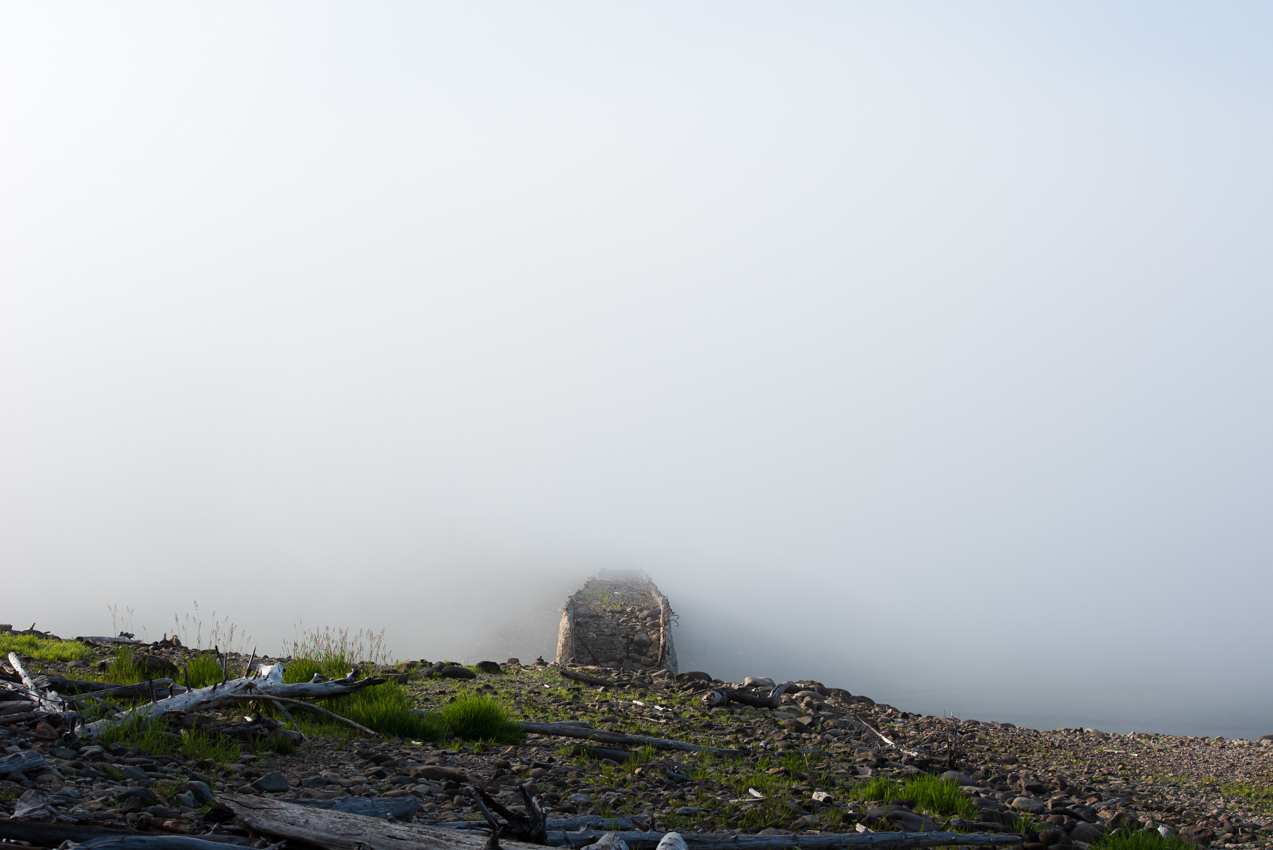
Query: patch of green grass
[123,669]
[478,718]
[44,649]
[1143,839]
[202,670]
[928,793]
[1256,795]
[154,738]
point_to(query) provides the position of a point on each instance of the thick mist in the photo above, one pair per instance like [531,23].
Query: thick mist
[919,350]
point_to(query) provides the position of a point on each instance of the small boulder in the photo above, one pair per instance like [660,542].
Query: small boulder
[513,662]
[1088,833]
[758,682]
[489,667]
[454,671]
[1198,836]
[134,773]
[201,792]
[274,783]
[438,773]
[1029,804]
[962,779]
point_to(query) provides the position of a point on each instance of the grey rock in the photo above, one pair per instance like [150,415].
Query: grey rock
[758,682]
[63,753]
[910,822]
[318,781]
[144,795]
[1029,804]
[186,799]
[456,672]
[488,666]
[579,799]
[271,782]
[1088,833]
[962,779]
[133,773]
[202,793]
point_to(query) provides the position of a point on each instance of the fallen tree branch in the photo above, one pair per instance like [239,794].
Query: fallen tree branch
[587,733]
[897,747]
[721,697]
[53,834]
[335,830]
[311,707]
[332,830]
[567,673]
[228,693]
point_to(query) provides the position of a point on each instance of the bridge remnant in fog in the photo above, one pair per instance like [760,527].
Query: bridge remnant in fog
[618,619]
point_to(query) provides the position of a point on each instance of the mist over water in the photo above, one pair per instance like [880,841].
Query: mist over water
[919,351]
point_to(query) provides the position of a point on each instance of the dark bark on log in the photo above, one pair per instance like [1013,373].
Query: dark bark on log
[567,673]
[724,696]
[552,824]
[53,834]
[151,842]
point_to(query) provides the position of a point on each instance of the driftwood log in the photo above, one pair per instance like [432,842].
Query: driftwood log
[587,733]
[721,697]
[53,834]
[233,692]
[342,831]
[567,673]
[332,830]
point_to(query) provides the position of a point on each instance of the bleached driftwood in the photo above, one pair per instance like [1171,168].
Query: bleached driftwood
[332,830]
[235,691]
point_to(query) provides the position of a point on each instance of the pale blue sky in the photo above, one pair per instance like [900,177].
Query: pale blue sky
[929,338]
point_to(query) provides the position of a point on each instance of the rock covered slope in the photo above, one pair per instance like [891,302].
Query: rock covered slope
[804,766]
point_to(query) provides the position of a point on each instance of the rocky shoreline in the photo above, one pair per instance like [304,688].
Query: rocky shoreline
[797,768]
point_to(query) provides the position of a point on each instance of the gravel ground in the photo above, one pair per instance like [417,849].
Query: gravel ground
[797,768]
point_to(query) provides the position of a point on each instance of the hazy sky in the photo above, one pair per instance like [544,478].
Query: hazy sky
[918,348]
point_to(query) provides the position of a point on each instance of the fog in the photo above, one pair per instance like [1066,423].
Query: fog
[920,349]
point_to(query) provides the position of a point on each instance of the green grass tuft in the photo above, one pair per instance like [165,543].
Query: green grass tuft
[1143,839]
[928,793]
[123,669]
[154,738]
[44,649]
[475,717]
[202,670]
